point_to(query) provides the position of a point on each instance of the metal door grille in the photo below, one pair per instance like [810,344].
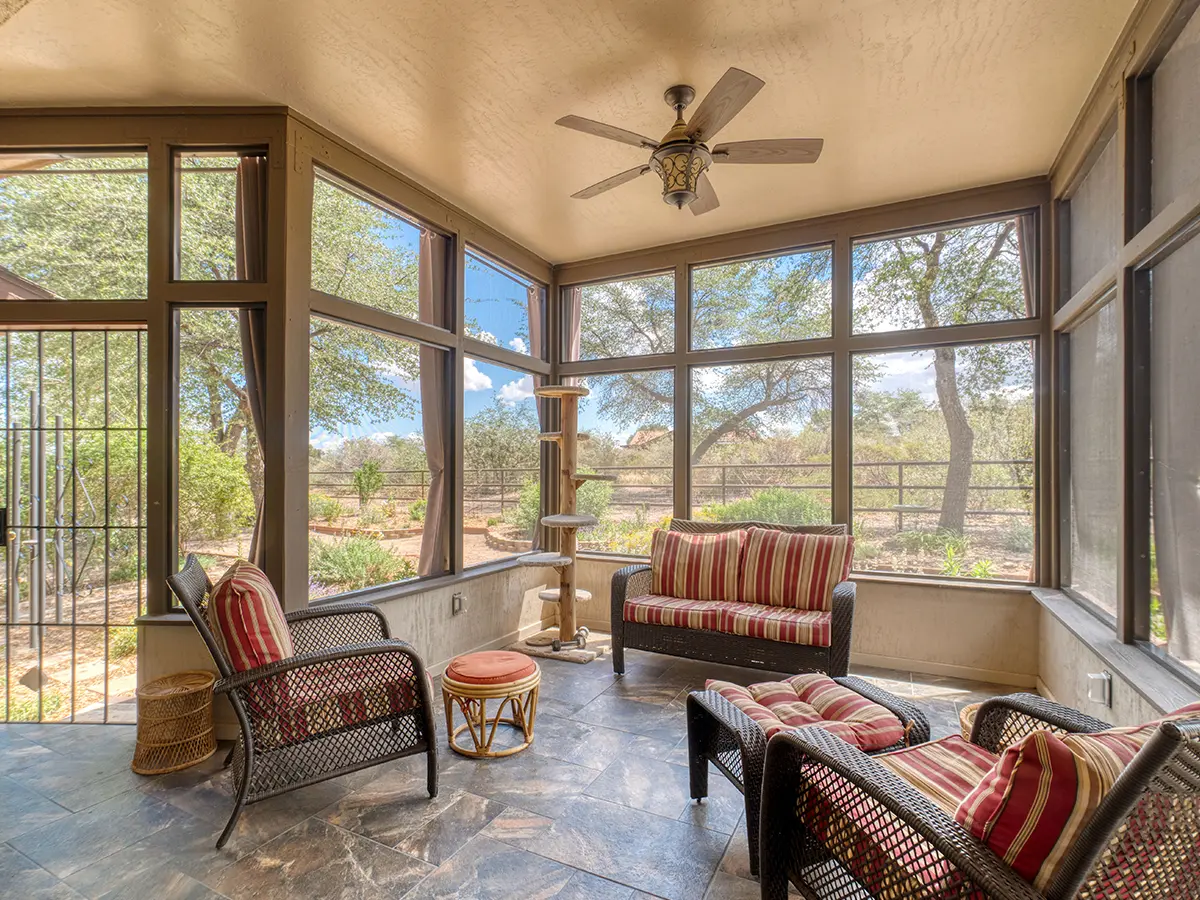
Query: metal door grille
[74,547]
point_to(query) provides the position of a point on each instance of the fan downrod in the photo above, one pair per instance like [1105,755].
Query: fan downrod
[679,96]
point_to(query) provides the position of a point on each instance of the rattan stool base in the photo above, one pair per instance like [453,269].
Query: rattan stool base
[520,697]
[174,725]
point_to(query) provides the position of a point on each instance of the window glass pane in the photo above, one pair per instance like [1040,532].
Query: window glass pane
[369,473]
[954,276]
[762,301]
[1095,212]
[208,215]
[501,456]
[1175,468]
[943,461]
[633,317]
[629,421]
[365,253]
[73,226]
[1095,457]
[219,468]
[1176,129]
[761,441]
[499,304]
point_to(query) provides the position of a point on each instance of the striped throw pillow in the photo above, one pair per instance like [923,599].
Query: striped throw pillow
[246,619]
[695,566]
[794,570]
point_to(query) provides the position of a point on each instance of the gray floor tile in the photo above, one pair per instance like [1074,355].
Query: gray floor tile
[540,784]
[581,743]
[25,810]
[585,886]
[390,807]
[440,838]
[638,718]
[486,869]
[21,877]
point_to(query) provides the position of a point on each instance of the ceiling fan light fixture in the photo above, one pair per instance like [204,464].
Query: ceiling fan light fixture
[680,167]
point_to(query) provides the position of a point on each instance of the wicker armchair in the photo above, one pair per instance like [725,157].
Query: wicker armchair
[1142,842]
[720,733]
[731,649]
[294,730]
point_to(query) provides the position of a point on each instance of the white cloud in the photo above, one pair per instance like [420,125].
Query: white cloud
[488,338]
[515,391]
[473,379]
[381,437]
[324,440]
[519,345]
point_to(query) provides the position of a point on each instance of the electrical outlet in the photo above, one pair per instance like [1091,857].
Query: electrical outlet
[1099,688]
[456,604]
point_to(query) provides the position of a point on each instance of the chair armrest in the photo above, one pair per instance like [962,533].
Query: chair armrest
[319,658]
[330,625]
[1002,721]
[734,725]
[820,792]
[916,726]
[842,628]
[631,581]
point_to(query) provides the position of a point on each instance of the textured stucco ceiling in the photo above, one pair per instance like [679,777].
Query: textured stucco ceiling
[913,97]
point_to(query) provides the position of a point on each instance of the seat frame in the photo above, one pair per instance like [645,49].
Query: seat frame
[323,635]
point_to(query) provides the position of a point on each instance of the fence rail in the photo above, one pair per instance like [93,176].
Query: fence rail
[497,490]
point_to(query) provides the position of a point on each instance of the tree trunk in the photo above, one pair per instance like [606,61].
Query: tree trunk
[962,441]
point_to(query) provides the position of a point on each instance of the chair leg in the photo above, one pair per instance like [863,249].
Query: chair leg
[431,776]
[618,657]
[240,802]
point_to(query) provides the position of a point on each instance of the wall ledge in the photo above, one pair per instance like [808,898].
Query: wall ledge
[1153,680]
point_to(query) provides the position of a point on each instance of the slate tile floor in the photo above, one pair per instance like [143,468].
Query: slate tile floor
[598,807]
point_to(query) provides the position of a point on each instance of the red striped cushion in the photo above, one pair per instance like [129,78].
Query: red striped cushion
[794,570]
[813,628]
[814,699]
[675,611]
[945,771]
[246,619]
[695,566]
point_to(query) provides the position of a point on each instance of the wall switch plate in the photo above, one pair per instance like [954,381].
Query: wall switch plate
[456,604]
[1099,688]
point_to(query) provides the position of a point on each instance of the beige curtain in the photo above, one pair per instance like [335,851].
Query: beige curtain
[431,291]
[536,303]
[250,228]
[574,326]
[1026,235]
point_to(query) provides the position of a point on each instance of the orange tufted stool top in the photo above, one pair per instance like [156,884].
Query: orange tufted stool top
[473,679]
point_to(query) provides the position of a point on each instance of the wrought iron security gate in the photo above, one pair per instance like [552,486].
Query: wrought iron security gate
[73,513]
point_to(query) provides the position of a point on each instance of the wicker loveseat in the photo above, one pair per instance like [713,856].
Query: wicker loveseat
[722,646]
[839,824]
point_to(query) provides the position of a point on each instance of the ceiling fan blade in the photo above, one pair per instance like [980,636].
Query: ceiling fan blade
[609,183]
[784,150]
[611,132]
[706,198]
[735,89]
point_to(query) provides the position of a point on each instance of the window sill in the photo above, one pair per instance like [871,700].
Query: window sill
[1152,679]
[1000,587]
[388,592]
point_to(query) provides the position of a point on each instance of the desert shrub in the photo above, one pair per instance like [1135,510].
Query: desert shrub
[325,509]
[370,516]
[776,505]
[122,642]
[628,536]
[416,510]
[940,541]
[983,568]
[368,481]
[592,499]
[356,562]
[1018,537]
[215,501]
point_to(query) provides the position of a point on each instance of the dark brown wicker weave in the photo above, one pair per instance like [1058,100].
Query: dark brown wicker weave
[732,649]
[720,733]
[337,638]
[1142,842]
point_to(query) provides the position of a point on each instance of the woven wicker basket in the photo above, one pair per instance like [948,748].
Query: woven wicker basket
[966,719]
[175,727]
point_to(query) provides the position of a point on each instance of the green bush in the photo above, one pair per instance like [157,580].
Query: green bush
[368,481]
[628,536]
[370,516]
[779,506]
[1018,537]
[592,499]
[942,542]
[416,510]
[356,562]
[123,642]
[215,501]
[325,509]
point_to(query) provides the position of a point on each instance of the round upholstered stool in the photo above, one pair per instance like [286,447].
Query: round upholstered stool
[472,680]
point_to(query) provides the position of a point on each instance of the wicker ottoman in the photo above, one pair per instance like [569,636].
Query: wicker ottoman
[174,723]
[472,680]
[721,733]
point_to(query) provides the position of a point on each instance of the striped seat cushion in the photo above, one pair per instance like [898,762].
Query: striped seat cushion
[652,609]
[695,566]
[246,619]
[1035,802]
[945,771]
[815,699]
[813,628]
[798,571]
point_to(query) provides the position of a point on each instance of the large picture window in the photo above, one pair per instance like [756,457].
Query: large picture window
[501,305]
[629,317]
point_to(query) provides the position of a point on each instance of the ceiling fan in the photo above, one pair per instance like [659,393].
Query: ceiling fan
[681,159]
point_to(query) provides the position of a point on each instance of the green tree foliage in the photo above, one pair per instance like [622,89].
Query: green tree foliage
[592,499]
[355,562]
[502,436]
[214,499]
[368,481]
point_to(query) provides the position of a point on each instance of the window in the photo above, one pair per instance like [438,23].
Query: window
[219,461]
[1176,128]
[500,305]
[367,253]
[221,208]
[1095,446]
[1095,211]
[376,450]
[629,423]
[631,317]
[501,462]
[953,276]
[762,301]
[53,206]
[943,461]
[761,441]
[1175,466]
